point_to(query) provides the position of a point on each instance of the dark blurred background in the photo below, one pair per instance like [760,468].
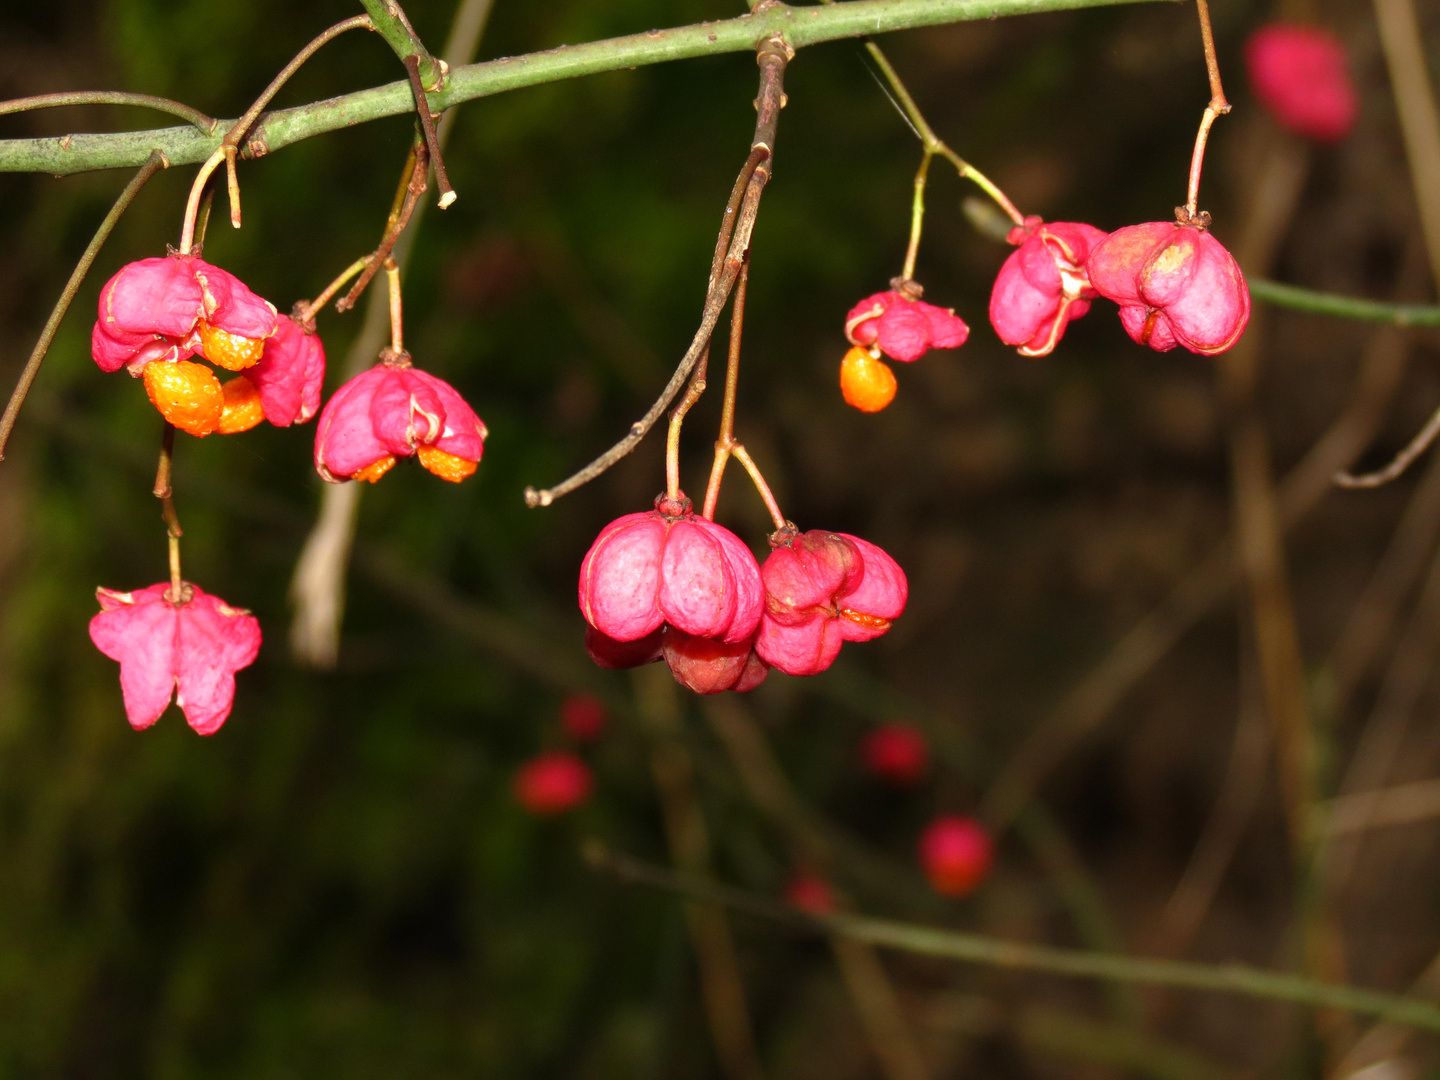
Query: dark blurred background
[340,883]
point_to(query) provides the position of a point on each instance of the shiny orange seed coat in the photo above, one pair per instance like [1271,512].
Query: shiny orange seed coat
[187,394]
[865,382]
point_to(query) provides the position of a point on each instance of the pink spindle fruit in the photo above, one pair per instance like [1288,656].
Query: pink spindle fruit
[619,655]
[1175,284]
[823,589]
[903,328]
[190,648]
[709,666]
[583,717]
[1301,75]
[896,753]
[669,565]
[290,374]
[395,410]
[550,784]
[1043,284]
[956,854]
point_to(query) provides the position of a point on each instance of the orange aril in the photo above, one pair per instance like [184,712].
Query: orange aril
[866,381]
[227,350]
[242,409]
[188,395]
[376,469]
[446,466]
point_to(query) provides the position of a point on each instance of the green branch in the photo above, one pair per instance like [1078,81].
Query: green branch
[801,26]
[1342,307]
[977,949]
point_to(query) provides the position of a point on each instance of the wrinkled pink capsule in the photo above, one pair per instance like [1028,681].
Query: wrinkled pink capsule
[902,328]
[1301,75]
[396,410]
[1175,284]
[290,374]
[174,307]
[620,655]
[823,589]
[191,649]
[956,854]
[1043,284]
[552,783]
[709,666]
[670,565]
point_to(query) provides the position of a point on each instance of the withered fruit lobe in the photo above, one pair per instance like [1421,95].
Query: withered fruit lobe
[227,350]
[446,466]
[375,470]
[865,382]
[187,394]
[242,410]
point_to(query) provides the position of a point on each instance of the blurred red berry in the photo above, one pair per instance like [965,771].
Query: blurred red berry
[1175,284]
[1043,285]
[955,852]
[552,783]
[582,716]
[896,753]
[823,589]
[670,565]
[809,892]
[903,328]
[1301,75]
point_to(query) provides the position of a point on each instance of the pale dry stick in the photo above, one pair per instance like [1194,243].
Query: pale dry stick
[772,55]
[874,997]
[1402,804]
[317,589]
[1086,707]
[207,124]
[722,988]
[31,369]
[228,148]
[1399,463]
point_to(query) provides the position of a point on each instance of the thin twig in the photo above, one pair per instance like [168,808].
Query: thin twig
[1216,107]
[154,164]
[207,124]
[392,24]
[407,198]
[165,492]
[1399,463]
[427,125]
[1342,307]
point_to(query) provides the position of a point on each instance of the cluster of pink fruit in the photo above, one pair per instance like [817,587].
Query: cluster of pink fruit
[669,583]
[1174,282]
[955,851]
[155,314]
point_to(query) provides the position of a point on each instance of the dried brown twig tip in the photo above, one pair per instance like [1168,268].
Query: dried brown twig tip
[1399,464]
[427,124]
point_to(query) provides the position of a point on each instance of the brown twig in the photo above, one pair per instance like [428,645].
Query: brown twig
[407,198]
[772,55]
[1216,107]
[207,124]
[154,164]
[427,125]
[165,492]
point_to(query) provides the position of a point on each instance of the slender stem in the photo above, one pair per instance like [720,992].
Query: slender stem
[1342,307]
[165,492]
[427,125]
[743,456]
[725,441]
[207,124]
[392,24]
[227,148]
[407,197]
[1217,106]
[306,312]
[1402,461]
[772,55]
[1022,956]
[397,319]
[152,165]
[802,26]
[917,216]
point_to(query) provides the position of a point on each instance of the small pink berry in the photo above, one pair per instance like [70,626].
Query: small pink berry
[823,589]
[190,648]
[896,753]
[395,410]
[550,784]
[1175,284]
[1043,285]
[956,854]
[583,717]
[809,892]
[710,666]
[670,565]
[904,329]
[1301,75]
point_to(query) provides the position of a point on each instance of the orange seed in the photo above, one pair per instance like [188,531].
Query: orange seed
[242,409]
[188,395]
[376,469]
[866,382]
[227,350]
[446,466]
